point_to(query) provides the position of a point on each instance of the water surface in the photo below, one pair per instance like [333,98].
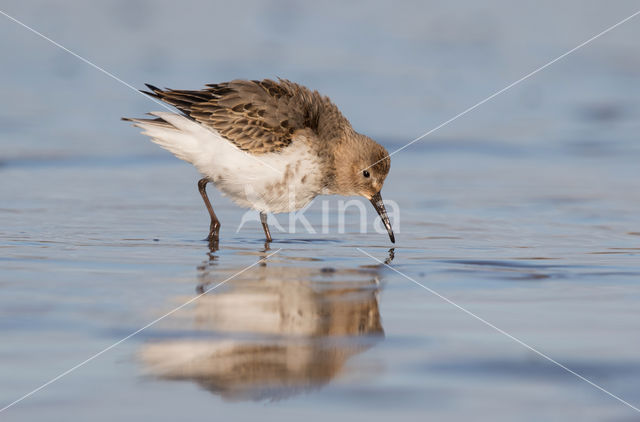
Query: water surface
[525,212]
[549,254]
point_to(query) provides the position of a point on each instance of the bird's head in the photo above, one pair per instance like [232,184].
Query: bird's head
[361,166]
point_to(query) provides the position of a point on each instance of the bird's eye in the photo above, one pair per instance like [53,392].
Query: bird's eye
[366,173]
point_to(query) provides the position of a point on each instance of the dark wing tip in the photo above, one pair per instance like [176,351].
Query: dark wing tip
[153,88]
[126,119]
[155,91]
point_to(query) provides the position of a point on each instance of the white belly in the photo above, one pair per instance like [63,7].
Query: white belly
[274,182]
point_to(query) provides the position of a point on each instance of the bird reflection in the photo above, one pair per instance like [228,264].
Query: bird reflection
[278,330]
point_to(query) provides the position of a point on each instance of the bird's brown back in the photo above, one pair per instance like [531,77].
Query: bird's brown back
[259,116]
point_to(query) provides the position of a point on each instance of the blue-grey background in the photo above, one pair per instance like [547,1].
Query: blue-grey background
[525,211]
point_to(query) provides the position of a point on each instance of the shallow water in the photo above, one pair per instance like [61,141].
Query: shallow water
[93,251]
[525,213]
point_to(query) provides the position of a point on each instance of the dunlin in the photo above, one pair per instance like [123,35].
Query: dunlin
[269,145]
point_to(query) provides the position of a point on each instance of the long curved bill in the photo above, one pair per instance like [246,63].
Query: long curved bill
[376,201]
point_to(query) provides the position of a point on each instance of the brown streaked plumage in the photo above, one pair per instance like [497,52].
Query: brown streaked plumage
[304,143]
[258,116]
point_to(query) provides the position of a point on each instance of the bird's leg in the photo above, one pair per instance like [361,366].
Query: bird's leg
[265,226]
[214,228]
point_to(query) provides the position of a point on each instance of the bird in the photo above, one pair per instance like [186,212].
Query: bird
[270,145]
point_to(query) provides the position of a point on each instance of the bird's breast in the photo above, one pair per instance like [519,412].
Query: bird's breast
[276,182]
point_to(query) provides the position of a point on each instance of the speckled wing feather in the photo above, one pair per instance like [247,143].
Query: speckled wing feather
[258,116]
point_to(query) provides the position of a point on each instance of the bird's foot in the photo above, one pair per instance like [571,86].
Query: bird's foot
[213,245]
[214,232]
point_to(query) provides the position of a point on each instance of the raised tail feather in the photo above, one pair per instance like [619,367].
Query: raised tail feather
[188,140]
[178,134]
[174,132]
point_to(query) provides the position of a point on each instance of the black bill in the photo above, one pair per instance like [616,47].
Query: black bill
[376,201]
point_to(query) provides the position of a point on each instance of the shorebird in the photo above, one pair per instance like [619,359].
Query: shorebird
[269,145]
